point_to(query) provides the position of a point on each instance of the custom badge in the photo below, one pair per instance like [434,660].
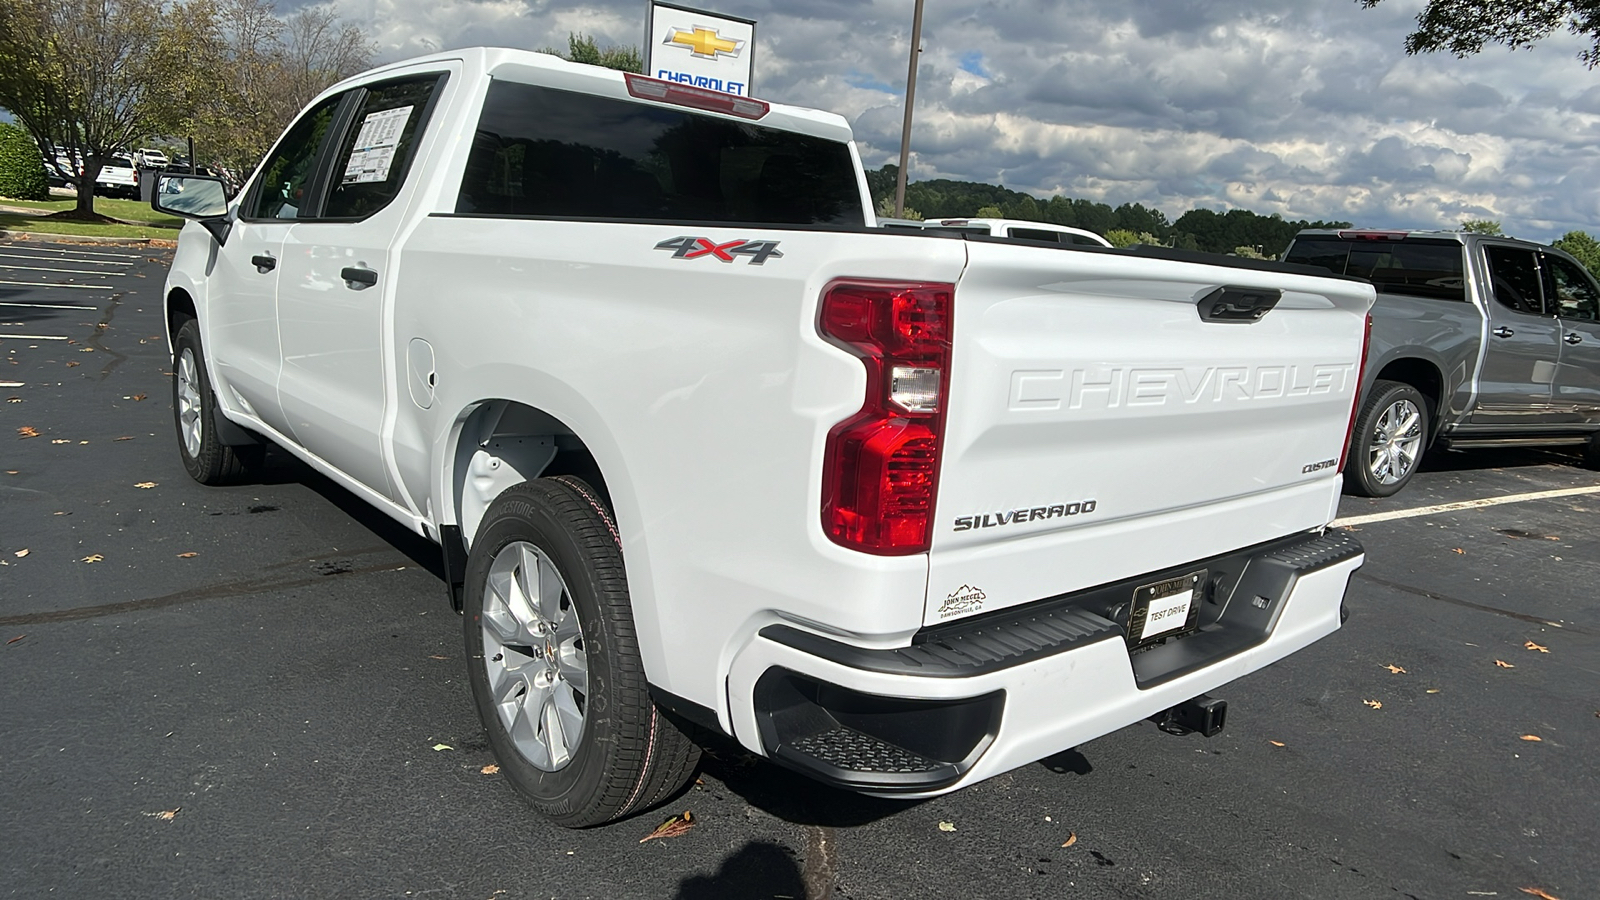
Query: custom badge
[964,599]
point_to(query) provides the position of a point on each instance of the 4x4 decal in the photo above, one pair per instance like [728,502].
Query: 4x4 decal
[695,247]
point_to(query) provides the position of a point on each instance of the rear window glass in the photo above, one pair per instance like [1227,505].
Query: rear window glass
[544,152]
[1419,267]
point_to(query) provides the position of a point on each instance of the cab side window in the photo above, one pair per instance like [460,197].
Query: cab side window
[376,152]
[285,183]
[1571,290]
[1514,279]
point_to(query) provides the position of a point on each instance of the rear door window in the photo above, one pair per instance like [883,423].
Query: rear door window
[378,147]
[1514,279]
[1571,290]
[545,152]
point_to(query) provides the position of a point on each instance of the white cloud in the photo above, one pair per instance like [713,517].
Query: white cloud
[1307,110]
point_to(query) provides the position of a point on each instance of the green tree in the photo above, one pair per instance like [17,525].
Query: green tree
[990,212]
[1481,226]
[1583,247]
[21,166]
[582,49]
[266,69]
[1463,27]
[1121,237]
[90,78]
[885,209]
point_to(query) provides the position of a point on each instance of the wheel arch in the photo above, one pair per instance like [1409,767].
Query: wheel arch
[180,306]
[1422,374]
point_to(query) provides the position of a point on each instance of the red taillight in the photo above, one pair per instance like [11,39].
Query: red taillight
[881,468]
[646,88]
[1355,402]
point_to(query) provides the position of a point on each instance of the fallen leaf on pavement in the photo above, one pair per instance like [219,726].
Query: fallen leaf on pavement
[145,484]
[21,553]
[1532,646]
[1533,737]
[443,747]
[1457,550]
[1072,838]
[438,657]
[139,396]
[490,769]
[73,364]
[15,639]
[1375,704]
[1433,690]
[1540,893]
[1503,664]
[1396,670]
[13,399]
[166,815]
[11,471]
[92,558]
[1276,743]
[28,431]
[190,555]
[947,826]
[126,437]
[672,827]
[61,441]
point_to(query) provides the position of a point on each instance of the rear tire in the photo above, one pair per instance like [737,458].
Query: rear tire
[194,408]
[1591,452]
[554,662]
[1389,438]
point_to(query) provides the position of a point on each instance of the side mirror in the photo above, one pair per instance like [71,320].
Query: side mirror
[199,197]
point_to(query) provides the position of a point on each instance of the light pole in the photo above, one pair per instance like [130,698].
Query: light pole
[905,128]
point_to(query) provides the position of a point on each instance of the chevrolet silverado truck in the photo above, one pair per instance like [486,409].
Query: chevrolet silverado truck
[703,448]
[1477,342]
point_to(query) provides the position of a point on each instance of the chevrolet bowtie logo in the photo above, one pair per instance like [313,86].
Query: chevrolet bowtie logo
[704,42]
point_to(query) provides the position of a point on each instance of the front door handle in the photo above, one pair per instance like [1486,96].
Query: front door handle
[263,264]
[1503,331]
[356,278]
[1573,338]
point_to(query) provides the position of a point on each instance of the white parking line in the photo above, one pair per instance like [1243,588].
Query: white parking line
[84,287]
[76,251]
[35,337]
[68,271]
[87,262]
[47,305]
[1465,504]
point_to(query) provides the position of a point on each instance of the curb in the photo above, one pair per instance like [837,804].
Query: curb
[85,238]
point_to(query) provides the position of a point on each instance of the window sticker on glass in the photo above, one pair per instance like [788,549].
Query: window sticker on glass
[374,151]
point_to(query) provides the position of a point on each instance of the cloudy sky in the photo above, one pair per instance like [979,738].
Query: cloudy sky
[1306,108]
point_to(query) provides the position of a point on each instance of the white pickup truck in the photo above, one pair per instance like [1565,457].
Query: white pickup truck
[702,447]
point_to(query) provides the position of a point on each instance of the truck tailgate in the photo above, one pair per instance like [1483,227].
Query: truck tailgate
[1100,426]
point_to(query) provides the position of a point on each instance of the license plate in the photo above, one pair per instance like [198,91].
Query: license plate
[1165,608]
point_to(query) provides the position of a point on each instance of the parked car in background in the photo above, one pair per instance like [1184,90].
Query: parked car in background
[1477,342]
[118,178]
[150,159]
[61,170]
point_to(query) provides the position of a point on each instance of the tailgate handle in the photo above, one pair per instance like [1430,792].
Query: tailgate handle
[1239,305]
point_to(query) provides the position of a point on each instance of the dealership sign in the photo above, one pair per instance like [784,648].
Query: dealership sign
[694,47]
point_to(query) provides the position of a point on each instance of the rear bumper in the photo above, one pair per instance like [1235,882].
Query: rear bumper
[977,698]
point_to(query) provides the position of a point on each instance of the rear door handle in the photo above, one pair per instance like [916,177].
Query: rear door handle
[1573,338]
[357,278]
[263,264]
[1503,331]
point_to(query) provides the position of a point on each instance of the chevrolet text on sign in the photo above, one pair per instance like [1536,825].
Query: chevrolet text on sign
[699,48]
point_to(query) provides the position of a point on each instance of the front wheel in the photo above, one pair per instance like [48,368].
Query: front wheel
[206,458]
[554,661]
[1389,437]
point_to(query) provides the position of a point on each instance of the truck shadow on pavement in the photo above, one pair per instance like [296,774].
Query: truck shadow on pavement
[758,869]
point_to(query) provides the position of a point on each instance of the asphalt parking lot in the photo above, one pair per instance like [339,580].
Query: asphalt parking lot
[259,691]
